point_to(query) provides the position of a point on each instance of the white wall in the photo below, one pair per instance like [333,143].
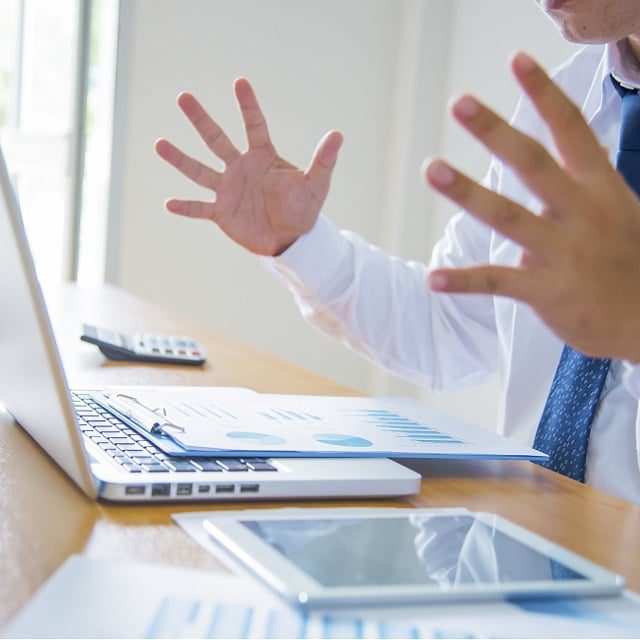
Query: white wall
[378,70]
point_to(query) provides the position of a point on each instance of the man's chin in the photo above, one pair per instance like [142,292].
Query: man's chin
[577,35]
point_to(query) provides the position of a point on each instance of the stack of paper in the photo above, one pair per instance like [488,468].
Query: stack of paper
[97,599]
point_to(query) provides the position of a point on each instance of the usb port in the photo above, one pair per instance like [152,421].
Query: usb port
[161,490]
[204,488]
[184,489]
[225,488]
[134,490]
[249,488]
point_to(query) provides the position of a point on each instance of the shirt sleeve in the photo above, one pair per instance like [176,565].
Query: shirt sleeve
[380,307]
[631,378]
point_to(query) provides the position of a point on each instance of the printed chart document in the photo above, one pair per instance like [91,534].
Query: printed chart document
[212,421]
[91,598]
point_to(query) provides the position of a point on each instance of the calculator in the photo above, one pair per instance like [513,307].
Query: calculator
[144,347]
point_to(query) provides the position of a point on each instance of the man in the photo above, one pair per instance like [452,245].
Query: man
[552,236]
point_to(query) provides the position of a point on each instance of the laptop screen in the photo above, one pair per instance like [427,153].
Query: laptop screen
[31,366]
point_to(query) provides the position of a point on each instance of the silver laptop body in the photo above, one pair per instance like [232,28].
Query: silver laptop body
[106,457]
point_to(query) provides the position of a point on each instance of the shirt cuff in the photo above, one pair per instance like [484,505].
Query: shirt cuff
[314,259]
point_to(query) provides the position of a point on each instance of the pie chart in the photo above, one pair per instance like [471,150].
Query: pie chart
[342,440]
[253,436]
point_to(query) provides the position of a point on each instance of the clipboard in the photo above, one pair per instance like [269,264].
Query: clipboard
[227,422]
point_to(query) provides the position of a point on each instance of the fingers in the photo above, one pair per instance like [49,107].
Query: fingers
[488,279]
[324,158]
[505,216]
[254,122]
[192,169]
[192,208]
[212,135]
[574,138]
[533,164]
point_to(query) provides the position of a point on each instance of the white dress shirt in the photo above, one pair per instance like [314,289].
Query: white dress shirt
[379,305]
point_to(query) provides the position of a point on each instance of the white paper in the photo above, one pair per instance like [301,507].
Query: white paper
[100,599]
[265,424]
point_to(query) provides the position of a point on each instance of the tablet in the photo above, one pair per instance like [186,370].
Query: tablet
[327,557]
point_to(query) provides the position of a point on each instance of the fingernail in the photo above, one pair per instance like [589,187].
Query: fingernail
[438,281]
[466,107]
[440,174]
[524,63]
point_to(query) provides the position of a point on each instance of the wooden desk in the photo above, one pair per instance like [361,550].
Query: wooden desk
[44,517]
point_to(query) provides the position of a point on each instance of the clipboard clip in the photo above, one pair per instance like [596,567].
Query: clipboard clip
[154,421]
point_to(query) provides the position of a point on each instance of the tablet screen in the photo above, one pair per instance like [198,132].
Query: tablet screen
[444,550]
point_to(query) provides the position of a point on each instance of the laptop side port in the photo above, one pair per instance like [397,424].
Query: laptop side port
[249,488]
[161,490]
[134,490]
[184,489]
[204,488]
[225,488]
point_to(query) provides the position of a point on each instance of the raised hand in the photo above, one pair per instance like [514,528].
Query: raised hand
[580,269]
[260,200]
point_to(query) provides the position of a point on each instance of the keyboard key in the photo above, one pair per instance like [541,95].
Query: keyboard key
[178,465]
[107,446]
[131,449]
[131,468]
[205,465]
[108,431]
[121,440]
[232,464]
[260,465]
[144,459]
[98,422]
[155,468]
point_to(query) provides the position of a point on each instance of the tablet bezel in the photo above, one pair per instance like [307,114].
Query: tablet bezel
[297,587]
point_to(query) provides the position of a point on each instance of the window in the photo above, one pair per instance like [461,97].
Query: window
[57,62]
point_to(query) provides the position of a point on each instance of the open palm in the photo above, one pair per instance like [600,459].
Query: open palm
[261,201]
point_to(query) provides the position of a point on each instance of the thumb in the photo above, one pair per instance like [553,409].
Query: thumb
[324,159]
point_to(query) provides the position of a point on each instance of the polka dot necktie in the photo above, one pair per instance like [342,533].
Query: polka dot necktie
[563,431]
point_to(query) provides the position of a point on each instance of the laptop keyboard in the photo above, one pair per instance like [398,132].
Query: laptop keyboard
[134,453]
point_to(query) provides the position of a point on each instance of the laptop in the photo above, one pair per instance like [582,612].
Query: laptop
[101,452]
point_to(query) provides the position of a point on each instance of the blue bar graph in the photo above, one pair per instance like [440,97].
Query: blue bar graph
[393,629]
[402,427]
[230,621]
[341,628]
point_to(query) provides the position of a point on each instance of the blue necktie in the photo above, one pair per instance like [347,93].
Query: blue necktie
[563,431]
